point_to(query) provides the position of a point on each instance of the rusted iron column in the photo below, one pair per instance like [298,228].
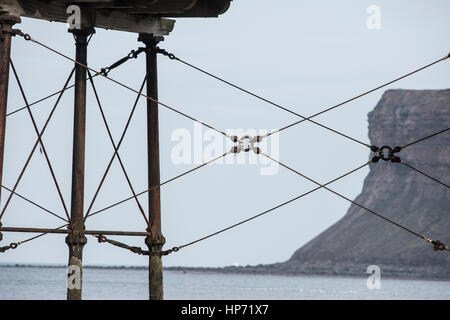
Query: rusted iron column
[156,241]
[76,238]
[6,22]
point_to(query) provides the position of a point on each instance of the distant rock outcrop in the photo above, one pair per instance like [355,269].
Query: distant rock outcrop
[361,239]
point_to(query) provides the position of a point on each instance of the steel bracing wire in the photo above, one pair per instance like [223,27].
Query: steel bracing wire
[437,244]
[127,87]
[34,148]
[424,174]
[116,147]
[425,138]
[271,209]
[88,212]
[39,135]
[173,57]
[35,204]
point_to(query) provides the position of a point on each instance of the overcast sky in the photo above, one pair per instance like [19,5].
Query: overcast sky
[306,55]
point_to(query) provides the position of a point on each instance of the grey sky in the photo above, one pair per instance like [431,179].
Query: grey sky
[306,55]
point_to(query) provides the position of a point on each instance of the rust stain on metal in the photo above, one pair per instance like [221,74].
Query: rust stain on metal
[6,23]
[156,241]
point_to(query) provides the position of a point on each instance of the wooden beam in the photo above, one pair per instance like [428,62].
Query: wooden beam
[106,19]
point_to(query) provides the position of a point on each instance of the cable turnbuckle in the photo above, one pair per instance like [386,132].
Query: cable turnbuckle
[15,32]
[132,55]
[386,153]
[246,143]
[439,246]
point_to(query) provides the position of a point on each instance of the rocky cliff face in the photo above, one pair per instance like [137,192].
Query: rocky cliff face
[360,239]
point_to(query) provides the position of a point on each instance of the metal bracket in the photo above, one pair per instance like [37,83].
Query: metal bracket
[246,143]
[385,153]
[76,239]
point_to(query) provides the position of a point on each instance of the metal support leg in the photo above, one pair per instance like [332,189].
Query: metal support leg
[156,241]
[76,239]
[6,23]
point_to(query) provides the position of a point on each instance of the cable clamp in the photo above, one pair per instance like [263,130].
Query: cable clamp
[101,238]
[12,245]
[135,53]
[246,143]
[164,253]
[14,32]
[385,153]
[105,71]
[165,53]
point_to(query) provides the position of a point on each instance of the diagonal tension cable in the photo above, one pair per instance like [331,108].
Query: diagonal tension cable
[425,138]
[388,153]
[36,129]
[436,243]
[159,185]
[27,37]
[116,149]
[424,174]
[266,211]
[38,101]
[108,167]
[34,203]
[362,94]
[14,245]
[138,250]
[173,57]
[106,70]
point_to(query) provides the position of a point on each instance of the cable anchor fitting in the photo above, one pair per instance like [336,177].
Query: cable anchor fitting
[386,153]
[163,253]
[12,245]
[246,143]
[165,53]
[439,246]
[15,32]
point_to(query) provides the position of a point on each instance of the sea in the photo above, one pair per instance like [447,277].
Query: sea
[49,283]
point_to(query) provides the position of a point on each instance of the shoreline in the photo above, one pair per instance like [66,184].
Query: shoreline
[249,270]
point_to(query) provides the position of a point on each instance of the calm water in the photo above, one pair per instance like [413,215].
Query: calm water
[49,283]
